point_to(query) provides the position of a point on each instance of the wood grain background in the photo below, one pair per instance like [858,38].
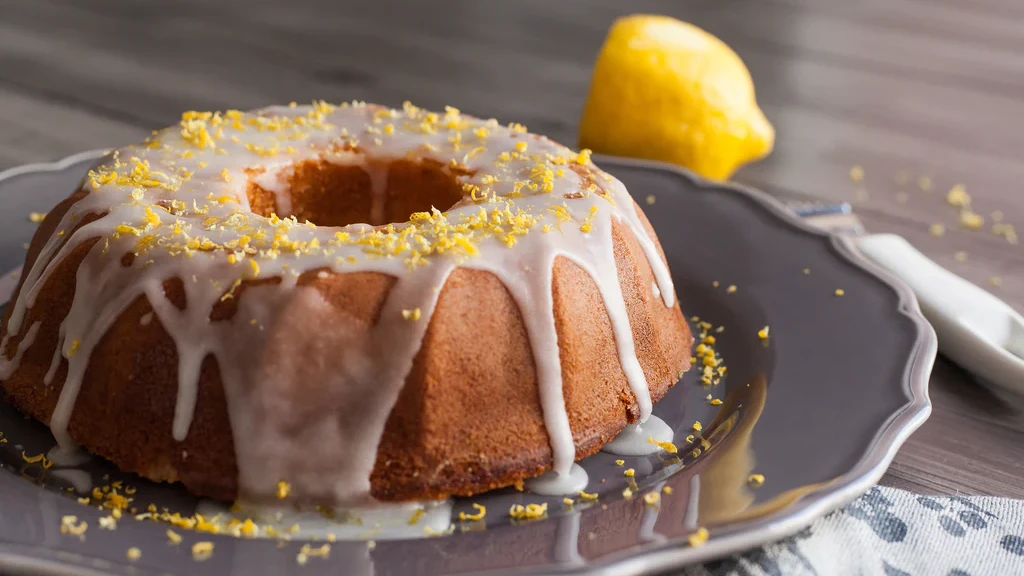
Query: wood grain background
[902,88]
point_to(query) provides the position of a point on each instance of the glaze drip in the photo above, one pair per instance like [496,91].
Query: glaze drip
[178,205]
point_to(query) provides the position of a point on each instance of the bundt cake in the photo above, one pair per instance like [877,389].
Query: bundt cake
[356,300]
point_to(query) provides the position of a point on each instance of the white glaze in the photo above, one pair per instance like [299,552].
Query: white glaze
[553,483]
[8,283]
[8,367]
[634,438]
[691,520]
[70,456]
[365,373]
[646,532]
[567,539]
[80,480]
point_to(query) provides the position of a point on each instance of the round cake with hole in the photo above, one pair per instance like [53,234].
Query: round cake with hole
[363,302]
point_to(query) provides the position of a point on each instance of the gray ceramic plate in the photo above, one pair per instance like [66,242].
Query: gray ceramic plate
[819,411]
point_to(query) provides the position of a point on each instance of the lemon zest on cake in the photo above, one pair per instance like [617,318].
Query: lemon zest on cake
[664,445]
[699,538]
[479,515]
[283,489]
[528,512]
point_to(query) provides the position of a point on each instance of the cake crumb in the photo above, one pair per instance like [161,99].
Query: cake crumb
[960,256]
[716,402]
[937,229]
[840,292]
[133,554]
[588,495]
[650,199]
[629,473]
[715,283]
[412,315]
[971,220]
[651,498]
[308,552]
[807,271]
[667,489]
[627,493]
[995,281]
[620,462]
[856,173]
[731,289]
[36,217]
[568,501]
[698,426]
[70,525]
[173,537]
[756,480]
[958,197]
[1006,231]
[202,551]
[763,333]
[108,522]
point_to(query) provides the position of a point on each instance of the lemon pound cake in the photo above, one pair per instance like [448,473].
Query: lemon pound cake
[360,301]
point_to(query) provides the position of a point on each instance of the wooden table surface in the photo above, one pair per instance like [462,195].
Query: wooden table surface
[903,88]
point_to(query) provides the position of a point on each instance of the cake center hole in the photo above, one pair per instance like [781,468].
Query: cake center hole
[328,194]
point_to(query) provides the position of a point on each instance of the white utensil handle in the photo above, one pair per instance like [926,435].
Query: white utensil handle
[936,287]
[975,328]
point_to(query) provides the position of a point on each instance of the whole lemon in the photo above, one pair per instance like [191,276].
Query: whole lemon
[666,90]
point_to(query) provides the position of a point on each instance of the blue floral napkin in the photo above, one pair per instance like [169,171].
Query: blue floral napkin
[895,533]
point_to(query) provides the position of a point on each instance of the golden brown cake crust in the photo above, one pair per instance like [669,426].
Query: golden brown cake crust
[468,419]
[466,412]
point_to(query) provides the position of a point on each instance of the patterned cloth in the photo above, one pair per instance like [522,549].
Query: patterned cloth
[895,533]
